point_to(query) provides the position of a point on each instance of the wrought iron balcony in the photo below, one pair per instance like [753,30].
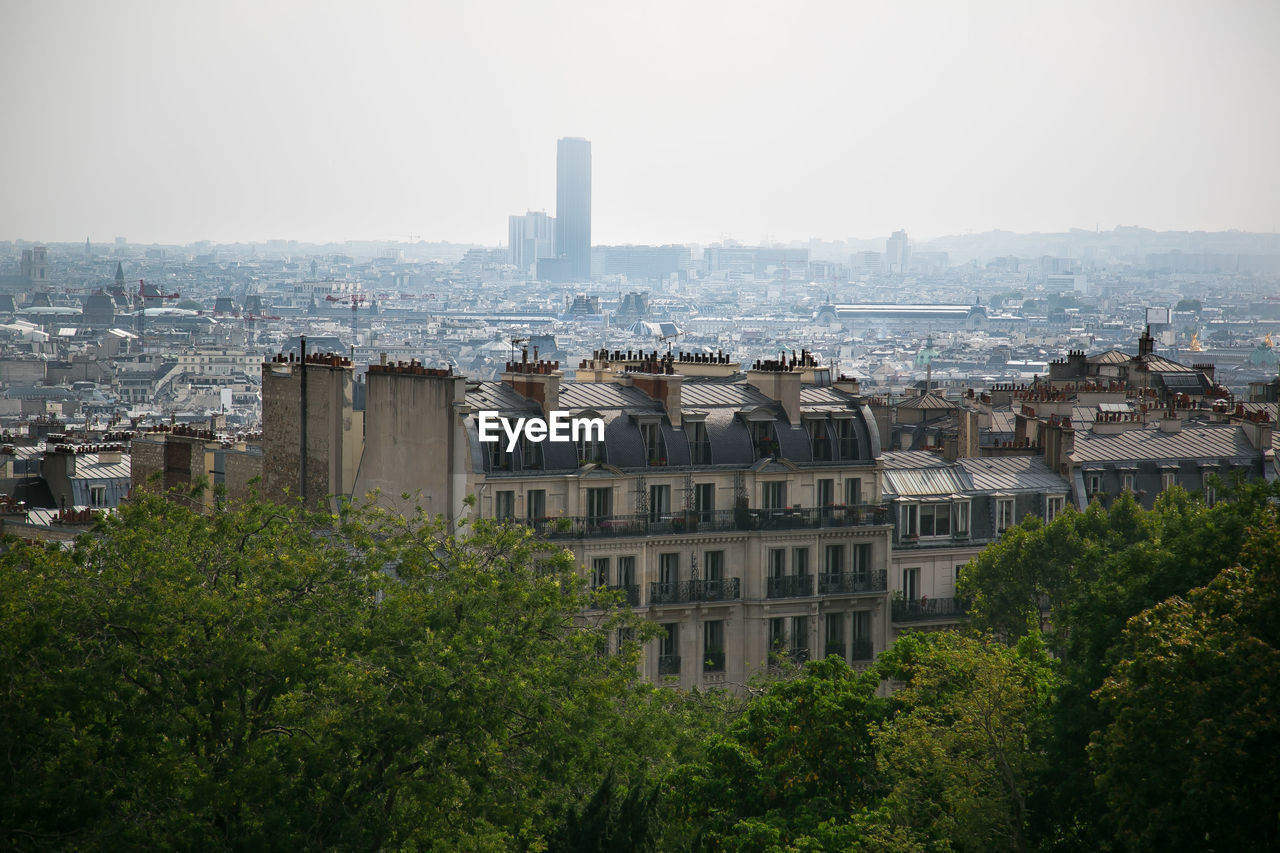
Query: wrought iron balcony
[789,586]
[630,593]
[664,524]
[668,664]
[926,609]
[837,649]
[848,583]
[677,592]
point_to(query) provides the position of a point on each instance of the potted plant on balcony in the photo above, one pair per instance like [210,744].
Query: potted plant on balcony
[562,525]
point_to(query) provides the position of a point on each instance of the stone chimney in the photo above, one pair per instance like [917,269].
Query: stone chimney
[780,380]
[1146,343]
[657,377]
[535,380]
[1258,428]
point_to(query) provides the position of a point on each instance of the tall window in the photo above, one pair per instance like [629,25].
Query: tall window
[853,492]
[848,437]
[704,500]
[1128,481]
[626,572]
[1053,505]
[659,502]
[773,495]
[713,645]
[1004,514]
[97,495]
[599,572]
[590,450]
[819,440]
[599,504]
[653,445]
[1168,479]
[834,635]
[500,459]
[669,649]
[909,521]
[800,637]
[777,562]
[911,584]
[536,504]
[763,440]
[960,518]
[935,520]
[861,559]
[713,565]
[799,561]
[778,633]
[699,443]
[833,560]
[530,454]
[668,569]
[1092,483]
[826,492]
[504,505]
[861,634]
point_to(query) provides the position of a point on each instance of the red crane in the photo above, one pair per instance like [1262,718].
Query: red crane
[355,300]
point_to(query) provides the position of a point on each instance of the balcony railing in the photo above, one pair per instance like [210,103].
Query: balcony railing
[676,592]
[789,586]
[668,664]
[581,527]
[713,661]
[927,609]
[847,583]
[862,650]
[630,593]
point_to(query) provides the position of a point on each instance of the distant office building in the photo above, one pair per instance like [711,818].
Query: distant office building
[756,261]
[867,262]
[897,254]
[642,263]
[573,207]
[531,237]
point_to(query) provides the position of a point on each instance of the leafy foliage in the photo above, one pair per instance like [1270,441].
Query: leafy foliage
[266,678]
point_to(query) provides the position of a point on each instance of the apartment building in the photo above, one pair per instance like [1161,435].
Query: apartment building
[741,511]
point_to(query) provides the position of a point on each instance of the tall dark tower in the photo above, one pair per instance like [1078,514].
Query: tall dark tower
[573,207]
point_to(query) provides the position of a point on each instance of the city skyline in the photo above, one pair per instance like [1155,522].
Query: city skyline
[243,123]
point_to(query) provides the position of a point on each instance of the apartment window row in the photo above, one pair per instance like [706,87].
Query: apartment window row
[599,500]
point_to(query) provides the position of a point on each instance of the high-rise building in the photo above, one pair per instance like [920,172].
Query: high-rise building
[573,207]
[897,253]
[532,237]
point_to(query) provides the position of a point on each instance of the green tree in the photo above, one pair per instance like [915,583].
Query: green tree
[1190,757]
[958,754]
[264,678]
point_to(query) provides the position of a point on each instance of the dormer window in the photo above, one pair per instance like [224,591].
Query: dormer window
[590,450]
[819,439]
[699,443]
[763,439]
[847,433]
[654,447]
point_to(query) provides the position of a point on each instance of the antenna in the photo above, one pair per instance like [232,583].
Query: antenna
[514,343]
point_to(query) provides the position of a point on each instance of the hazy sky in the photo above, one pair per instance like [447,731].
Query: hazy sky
[178,121]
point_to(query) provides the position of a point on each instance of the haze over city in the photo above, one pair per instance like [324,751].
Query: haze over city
[172,123]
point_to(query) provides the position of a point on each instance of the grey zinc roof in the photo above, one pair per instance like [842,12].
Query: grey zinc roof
[924,482]
[1207,441]
[1013,474]
[604,395]
[89,468]
[912,459]
[737,394]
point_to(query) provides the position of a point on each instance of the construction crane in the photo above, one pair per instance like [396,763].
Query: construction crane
[143,296]
[355,300]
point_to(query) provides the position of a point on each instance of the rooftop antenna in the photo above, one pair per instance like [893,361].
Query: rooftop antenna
[514,343]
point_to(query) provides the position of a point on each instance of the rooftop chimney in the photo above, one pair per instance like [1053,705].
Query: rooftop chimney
[780,380]
[535,380]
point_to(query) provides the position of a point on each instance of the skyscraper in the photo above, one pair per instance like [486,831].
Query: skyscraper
[573,207]
[532,237]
